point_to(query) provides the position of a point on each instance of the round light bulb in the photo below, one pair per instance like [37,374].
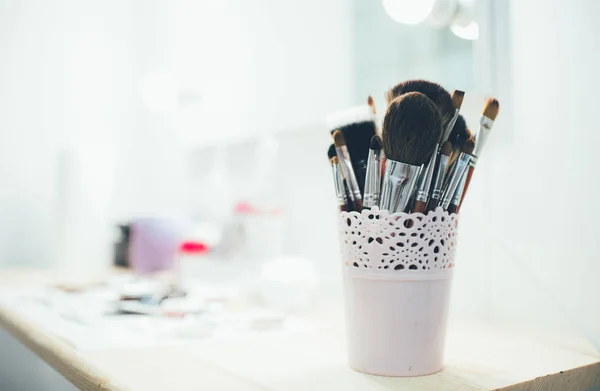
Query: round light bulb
[469,32]
[408,11]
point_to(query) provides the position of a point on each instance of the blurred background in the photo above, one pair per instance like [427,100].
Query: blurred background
[211,114]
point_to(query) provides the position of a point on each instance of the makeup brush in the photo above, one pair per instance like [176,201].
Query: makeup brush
[457,99]
[331,153]
[373,179]
[425,180]
[345,164]
[454,157]
[338,180]
[486,122]
[357,125]
[371,103]
[455,201]
[411,129]
[432,167]
[456,198]
[458,136]
[438,94]
[436,193]
[462,163]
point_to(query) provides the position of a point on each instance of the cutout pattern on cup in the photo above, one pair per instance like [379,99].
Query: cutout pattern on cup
[400,242]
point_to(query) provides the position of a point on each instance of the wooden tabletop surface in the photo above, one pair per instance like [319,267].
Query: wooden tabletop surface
[477,358]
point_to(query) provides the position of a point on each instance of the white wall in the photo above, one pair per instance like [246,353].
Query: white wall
[116,72]
[535,192]
[65,76]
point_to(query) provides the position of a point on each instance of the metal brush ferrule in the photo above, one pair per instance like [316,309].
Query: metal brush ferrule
[459,190]
[450,126]
[338,183]
[426,177]
[485,126]
[348,172]
[461,167]
[438,182]
[398,184]
[373,179]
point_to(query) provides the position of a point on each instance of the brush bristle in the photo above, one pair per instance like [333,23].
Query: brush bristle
[338,139]
[458,134]
[331,151]
[440,97]
[411,128]
[358,126]
[375,143]
[447,148]
[491,108]
[371,103]
[349,116]
[469,146]
[457,99]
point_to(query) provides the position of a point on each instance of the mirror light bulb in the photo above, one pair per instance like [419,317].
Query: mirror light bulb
[408,11]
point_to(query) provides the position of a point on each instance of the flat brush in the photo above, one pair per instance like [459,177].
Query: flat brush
[357,125]
[486,122]
[411,129]
[425,181]
[455,202]
[455,155]
[438,95]
[338,180]
[371,104]
[457,99]
[458,136]
[373,179]
[345,192]
[345,164]
[338,183]
[462,163]
[438,182]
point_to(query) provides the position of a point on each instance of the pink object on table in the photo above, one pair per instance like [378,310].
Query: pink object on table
[154,244]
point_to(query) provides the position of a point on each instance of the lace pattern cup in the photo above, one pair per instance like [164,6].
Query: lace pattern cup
[397,277]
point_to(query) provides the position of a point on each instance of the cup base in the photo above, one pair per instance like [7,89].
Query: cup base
[408,373]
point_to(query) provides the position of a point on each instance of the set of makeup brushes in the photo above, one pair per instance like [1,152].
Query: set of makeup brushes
[422,158]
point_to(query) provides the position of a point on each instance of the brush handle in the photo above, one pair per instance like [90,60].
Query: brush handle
[419,207]
[455,178]
[438,181]
[433,203]
[344,208]
[355,204]
[372,187]
[358,205]
[452,209]
[349,202]
[467,181]
[360,171]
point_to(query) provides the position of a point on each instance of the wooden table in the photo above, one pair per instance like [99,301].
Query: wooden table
[477,358]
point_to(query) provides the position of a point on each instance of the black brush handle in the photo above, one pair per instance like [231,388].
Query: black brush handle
[433,203]
[452,208]
[360,171]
